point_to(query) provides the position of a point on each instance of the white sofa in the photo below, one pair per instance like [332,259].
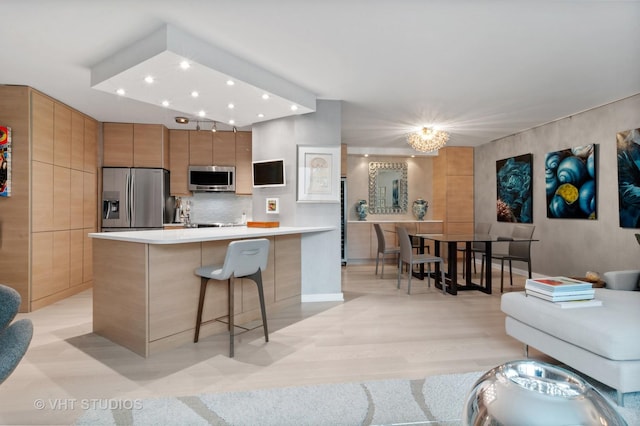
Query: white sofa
[602,342]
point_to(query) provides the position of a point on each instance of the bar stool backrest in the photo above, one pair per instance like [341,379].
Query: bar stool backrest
[244,257]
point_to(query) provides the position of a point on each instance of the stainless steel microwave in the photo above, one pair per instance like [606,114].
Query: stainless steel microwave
[212,178]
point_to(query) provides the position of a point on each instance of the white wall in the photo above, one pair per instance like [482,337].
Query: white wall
[568,246]
[321,260]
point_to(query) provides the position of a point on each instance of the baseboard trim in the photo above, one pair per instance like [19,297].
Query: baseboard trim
[327,297]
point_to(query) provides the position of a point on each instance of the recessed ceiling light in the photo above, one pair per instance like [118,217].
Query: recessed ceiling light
[201,113]
[195,94]
[185,65]
[366,155]
[232,121]
[265,96]
[230,83]
[294,107]
[261,115]
[165,103]
[120,92]
[231,106]
[149,79]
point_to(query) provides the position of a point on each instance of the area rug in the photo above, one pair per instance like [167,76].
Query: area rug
[434,400]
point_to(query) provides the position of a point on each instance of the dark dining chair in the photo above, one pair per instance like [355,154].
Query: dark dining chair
[519,251]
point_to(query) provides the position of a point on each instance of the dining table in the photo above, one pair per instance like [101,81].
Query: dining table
[452,242]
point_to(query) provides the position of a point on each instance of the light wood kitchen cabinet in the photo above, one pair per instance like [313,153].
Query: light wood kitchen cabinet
[90,145]
[244,184]
[42,128]
[76,208]
[135,145]
[224,149]
[77,141]
[76,256]
[61,198]
[150,146]
[118,144]
[53,157]
[179,160]
[62,136]
[200,148]
[42,195]
[89,201]
[204,148]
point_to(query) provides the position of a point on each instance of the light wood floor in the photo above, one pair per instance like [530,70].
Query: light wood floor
[378,332]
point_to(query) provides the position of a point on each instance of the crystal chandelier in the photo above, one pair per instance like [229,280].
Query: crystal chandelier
[427,139]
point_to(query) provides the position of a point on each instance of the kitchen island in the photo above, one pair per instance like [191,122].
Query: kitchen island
[145,292]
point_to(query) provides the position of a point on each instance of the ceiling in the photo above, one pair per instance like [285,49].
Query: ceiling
[481,70]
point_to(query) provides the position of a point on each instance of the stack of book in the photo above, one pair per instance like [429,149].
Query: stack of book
[563,292]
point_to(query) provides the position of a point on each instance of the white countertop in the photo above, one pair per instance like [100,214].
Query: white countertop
[396,221]
[194,235]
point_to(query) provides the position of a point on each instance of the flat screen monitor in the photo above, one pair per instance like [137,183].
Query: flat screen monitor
[268,173]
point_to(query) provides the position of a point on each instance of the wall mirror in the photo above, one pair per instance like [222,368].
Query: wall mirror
[388,188]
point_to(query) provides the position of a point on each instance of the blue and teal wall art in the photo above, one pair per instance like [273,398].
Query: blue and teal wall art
[628,148]
[571,181]
[514,189]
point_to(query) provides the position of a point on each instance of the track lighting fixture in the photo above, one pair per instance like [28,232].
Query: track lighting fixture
[235,130]
[213,128]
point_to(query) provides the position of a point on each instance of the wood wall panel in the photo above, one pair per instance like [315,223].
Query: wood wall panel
[62,136]
[460,199]
[15,210]
[42,128]
[76,253]
[61,198]
[42,196]
[90,145]
[77,141]
[89,200]
[120,294]
[61,261]
[42,264]
[87,255]
[76,208]
[173,309]
[289,267]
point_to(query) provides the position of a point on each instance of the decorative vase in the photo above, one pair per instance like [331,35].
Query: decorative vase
[420,207]
[361,209]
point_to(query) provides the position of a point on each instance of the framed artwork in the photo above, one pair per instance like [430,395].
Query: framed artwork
[514,188]
[628,152]
[318,174]
[571,183]
[273,205]
[5,161]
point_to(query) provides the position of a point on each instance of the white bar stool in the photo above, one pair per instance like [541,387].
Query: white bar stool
[244,259]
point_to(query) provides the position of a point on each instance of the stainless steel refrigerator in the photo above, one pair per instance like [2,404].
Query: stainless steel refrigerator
[135,199]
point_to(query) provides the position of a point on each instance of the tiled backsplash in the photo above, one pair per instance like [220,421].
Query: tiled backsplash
[207,207]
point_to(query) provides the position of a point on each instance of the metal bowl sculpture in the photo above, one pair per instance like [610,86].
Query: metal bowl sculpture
[536,393]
